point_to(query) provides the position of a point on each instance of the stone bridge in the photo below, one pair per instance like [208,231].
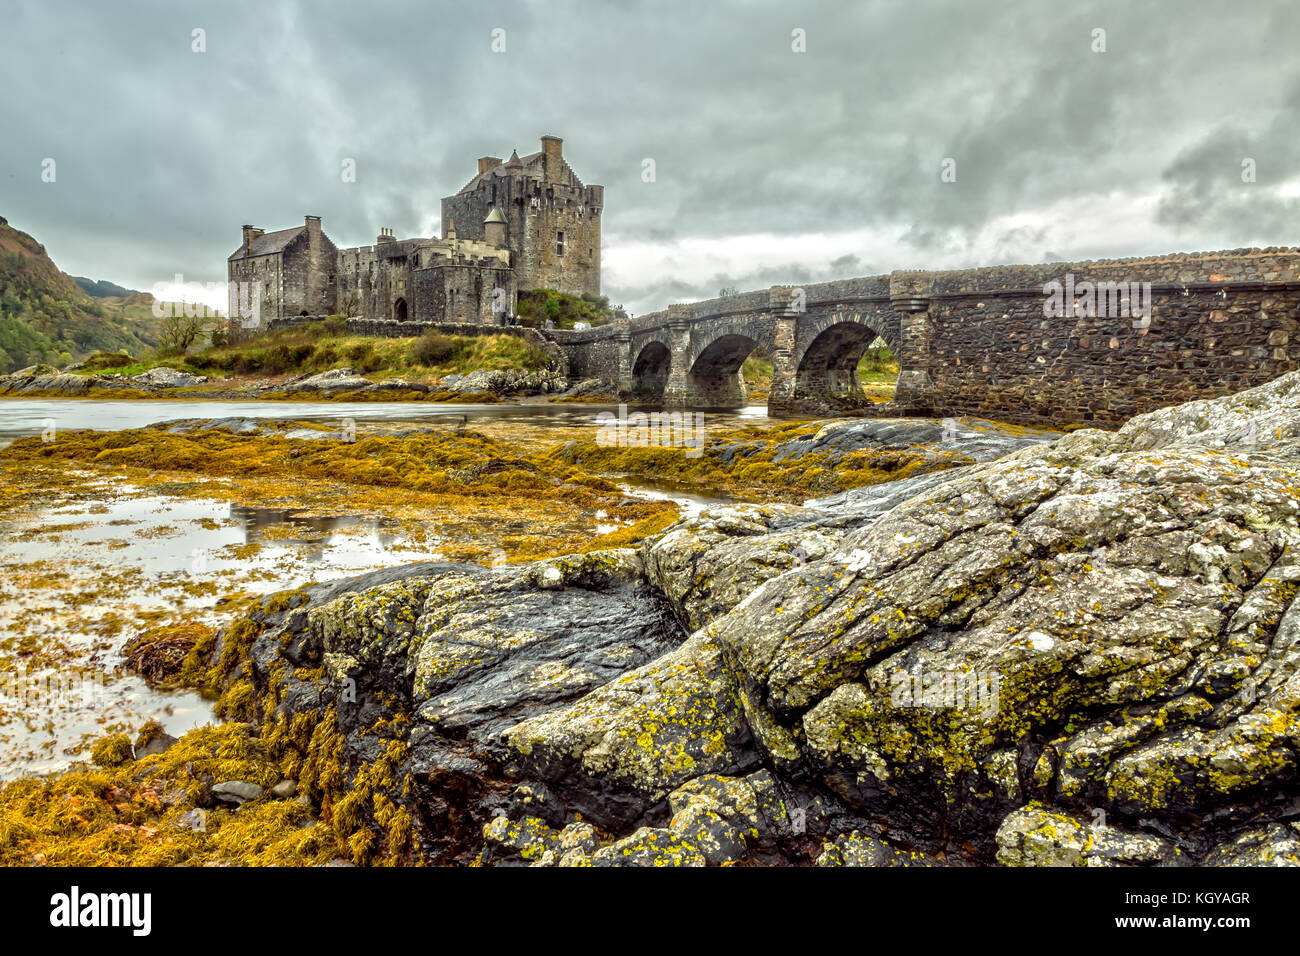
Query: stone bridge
[974,342]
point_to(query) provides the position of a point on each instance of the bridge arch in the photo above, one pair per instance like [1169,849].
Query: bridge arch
[714,379]
[650,371]
[830,346]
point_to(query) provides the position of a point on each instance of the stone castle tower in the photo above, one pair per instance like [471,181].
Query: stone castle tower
[527,223]
[551,220]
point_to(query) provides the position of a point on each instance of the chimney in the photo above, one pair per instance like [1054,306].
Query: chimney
[553,161]
[487,162]
[313,224]
[249,235]
[385,235]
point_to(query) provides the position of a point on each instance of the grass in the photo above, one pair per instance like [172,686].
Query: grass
[321,346]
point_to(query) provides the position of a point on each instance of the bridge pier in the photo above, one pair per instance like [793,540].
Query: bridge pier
[677,392]
[623,349]
[781,396]
[909,294]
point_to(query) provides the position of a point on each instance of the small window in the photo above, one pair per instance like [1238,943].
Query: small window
[559,243]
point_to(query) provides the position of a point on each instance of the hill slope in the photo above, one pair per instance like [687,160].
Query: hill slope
[103,289]
[46,317]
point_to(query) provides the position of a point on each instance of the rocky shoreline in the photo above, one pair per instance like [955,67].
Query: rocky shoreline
[1078,650]
[342,384]
[1083,652]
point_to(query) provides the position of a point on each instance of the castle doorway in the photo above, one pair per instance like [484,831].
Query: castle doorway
[399,310]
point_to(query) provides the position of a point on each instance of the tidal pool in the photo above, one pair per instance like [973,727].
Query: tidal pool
[96,559]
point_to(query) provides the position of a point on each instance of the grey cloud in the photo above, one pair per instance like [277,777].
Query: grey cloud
[163,153]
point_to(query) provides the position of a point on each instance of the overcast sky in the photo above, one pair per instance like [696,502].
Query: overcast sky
[771,165]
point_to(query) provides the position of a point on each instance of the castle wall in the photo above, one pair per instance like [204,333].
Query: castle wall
[307,273]
[462,294]
[265,270]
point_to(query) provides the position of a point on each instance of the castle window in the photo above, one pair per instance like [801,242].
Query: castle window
[559,243]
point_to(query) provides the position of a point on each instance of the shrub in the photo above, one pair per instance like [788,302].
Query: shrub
[432,348]
[103,360]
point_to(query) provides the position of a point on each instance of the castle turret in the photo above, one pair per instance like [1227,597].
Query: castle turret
[494,229]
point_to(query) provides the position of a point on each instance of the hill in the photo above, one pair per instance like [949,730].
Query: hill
[103,289]
[45,316]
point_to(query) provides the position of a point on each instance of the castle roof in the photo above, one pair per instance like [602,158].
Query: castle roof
[516,162]
[268,243]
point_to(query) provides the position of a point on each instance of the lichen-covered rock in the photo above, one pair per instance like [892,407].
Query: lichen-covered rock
[709,563]
[1103,628]
[859,849]
[620,750]
[1277,844]
[1035,836]
[424,668]
[524,839]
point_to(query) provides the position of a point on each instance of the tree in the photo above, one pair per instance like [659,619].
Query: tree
[178,331]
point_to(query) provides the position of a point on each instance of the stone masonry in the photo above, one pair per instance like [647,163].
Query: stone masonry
[975,342]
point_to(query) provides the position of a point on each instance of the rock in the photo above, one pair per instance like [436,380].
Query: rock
[1034,836]
[158,743]
[578,838]
[621,749]
[505,381]
[858,849]
[334,379]
[1084,652]
[976,439]
[163,377]
[196,820]
[536,800]
[236,791]
[1122,622]
[591,388]
[525,839]
[463,653]
[1277,844]
[285,789]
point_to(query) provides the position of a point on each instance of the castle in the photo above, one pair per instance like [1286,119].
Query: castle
[525,223]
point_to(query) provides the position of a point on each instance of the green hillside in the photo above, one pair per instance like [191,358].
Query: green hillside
[46,317]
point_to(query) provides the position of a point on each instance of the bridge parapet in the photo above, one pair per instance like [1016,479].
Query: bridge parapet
[981,341]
